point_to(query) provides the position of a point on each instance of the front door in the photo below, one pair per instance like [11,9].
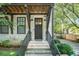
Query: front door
[38,28]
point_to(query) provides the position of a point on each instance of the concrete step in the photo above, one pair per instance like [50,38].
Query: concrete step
[38,44]
[38,48]
[38,54]
[38,51]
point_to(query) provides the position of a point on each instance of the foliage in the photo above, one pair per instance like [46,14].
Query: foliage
[66,17]
[5,20]
[5,43]
[65,49]
[57,41]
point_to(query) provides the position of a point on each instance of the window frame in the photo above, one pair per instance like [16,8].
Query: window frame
[21,25]
[1,32]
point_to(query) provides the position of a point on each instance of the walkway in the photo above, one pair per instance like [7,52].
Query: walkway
[74,45]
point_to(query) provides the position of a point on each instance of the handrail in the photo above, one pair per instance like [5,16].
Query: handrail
[54,49]
[23,47]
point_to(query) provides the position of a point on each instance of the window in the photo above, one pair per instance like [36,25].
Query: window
[21,25]
[4,28]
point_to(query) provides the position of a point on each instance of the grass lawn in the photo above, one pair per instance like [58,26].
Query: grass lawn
[7,53]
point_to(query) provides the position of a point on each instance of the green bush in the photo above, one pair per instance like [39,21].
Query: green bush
[65,49]
[57,41]
[5,43]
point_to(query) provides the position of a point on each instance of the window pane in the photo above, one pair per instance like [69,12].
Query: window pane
[21,25]
[21,21]
[4,29]
[21,29]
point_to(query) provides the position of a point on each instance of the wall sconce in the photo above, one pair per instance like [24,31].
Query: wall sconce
[44,19]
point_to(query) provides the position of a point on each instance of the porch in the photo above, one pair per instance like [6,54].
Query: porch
[36,28]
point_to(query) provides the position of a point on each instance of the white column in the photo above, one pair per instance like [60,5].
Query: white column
[50,24]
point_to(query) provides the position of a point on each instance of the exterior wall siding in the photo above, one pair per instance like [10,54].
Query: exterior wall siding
[14,36]
[5,36]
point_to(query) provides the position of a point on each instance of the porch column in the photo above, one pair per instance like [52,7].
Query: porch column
[49,20]
[52,21]
[28,19]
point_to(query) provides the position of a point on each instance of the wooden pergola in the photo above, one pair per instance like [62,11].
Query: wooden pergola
[24,9]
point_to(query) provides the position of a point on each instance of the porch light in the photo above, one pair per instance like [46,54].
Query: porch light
[44,19]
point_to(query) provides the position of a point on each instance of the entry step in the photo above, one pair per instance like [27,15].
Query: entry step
[38,44]
[38,51]
[38,48]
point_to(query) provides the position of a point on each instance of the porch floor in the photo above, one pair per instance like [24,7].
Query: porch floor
[38,48]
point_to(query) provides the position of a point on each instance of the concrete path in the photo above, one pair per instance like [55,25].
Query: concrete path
[74,45]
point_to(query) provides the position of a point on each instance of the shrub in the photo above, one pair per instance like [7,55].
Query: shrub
[57,41]
[65,49]
[5,43]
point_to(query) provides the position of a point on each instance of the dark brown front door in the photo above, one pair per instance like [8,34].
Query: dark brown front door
[38,28]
